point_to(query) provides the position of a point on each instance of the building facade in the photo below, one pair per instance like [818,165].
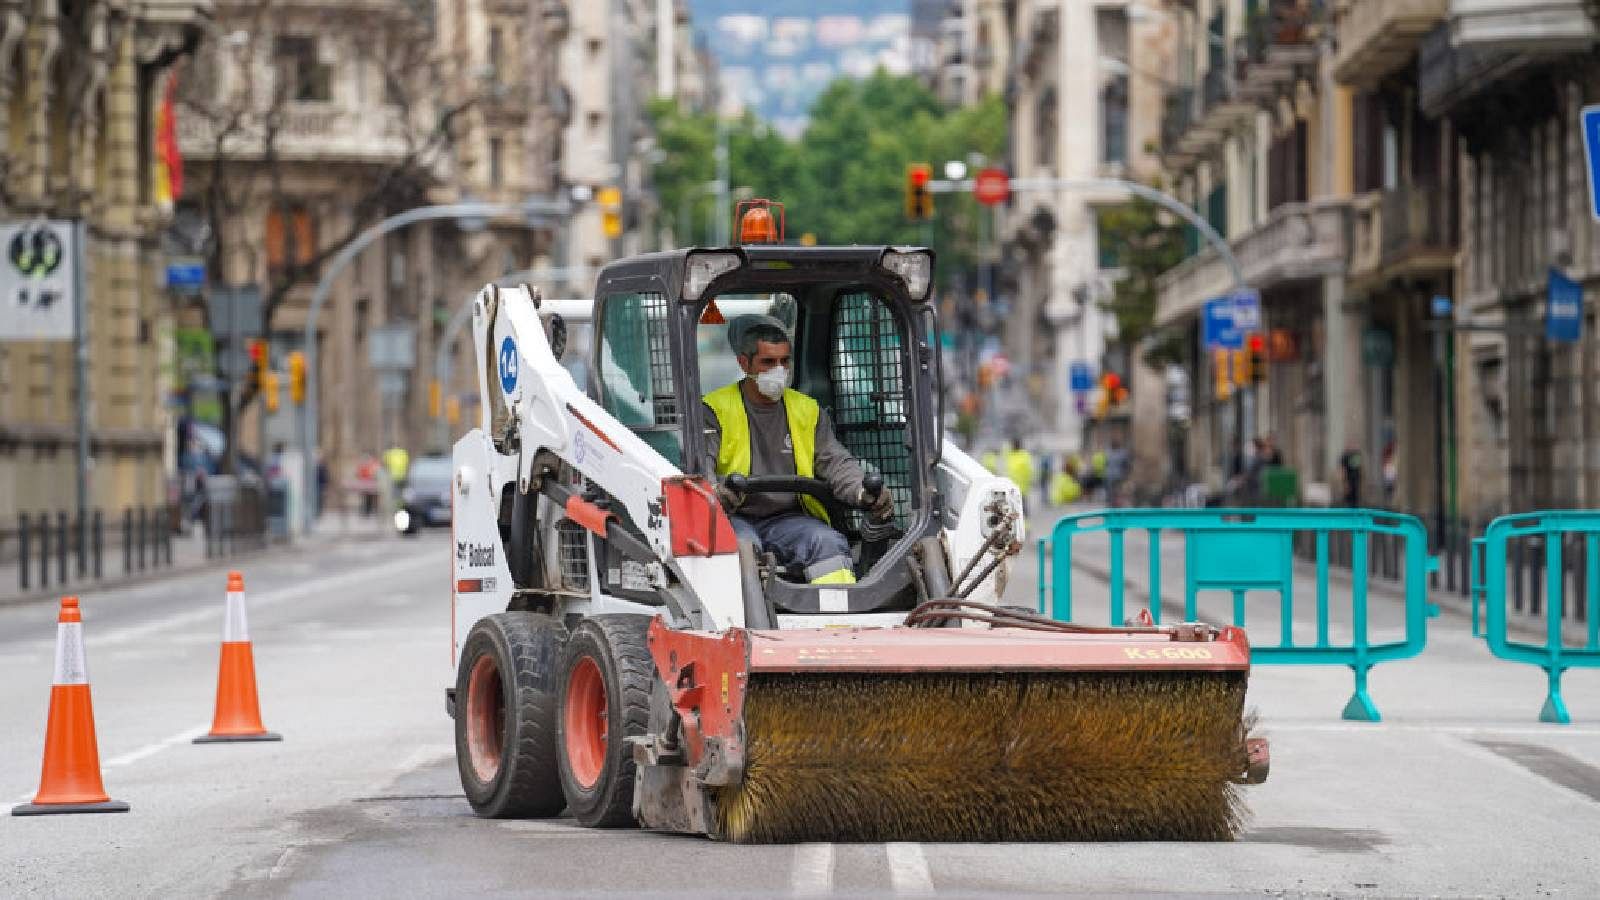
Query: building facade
[80,85]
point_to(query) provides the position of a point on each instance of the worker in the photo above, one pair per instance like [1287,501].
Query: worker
[397,464]
[761,426]
[991,461]
[1019,468]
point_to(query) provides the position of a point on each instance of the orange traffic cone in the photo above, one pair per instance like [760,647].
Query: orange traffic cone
[238,716]
[70,782]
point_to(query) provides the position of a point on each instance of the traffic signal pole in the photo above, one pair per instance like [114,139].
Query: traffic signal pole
[535,212]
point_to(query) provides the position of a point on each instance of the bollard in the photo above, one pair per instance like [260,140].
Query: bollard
[61,547]
[80,541]
[23,556]
[99,538]
[166,533]
[143,537]
[127,541]
[44,550]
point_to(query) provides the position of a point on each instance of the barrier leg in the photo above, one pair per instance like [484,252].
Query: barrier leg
[1555,707]
[1155,575]
[1238,608]
[1361,708]
[1043,608]
[1116,577]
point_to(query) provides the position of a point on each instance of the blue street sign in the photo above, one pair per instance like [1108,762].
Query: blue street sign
[1442,307]
[1563,312]
[1246,310]
[1590,119]
[186,274]
[1082,377]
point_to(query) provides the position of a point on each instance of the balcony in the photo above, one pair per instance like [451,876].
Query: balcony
[1376,37]
[1400,233]
[1543,26]
[311,132]
[1297,242]
[1279,43]
[1175,122]
[1449,76]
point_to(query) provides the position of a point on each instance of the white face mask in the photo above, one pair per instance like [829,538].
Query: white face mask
[772,382]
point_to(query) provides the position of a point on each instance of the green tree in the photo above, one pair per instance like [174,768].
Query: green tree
[1141,239]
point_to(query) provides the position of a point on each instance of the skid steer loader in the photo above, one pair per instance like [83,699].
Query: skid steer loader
[621,655]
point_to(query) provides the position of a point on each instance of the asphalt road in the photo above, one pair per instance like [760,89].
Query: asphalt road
[1459,792]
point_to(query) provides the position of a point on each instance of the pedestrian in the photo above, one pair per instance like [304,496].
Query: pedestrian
[1019,468]
[1350,467]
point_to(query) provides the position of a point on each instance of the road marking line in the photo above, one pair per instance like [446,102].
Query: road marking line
[908,869]
[149,750]
[258,601]
[282,863]
[423,756]
[813,870]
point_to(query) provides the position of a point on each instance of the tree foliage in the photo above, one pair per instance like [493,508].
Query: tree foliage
[843,179]
[1144,243]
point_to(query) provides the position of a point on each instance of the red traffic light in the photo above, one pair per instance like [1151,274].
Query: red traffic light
[919,173]
[1111,381]
[258,352]
[1257,342]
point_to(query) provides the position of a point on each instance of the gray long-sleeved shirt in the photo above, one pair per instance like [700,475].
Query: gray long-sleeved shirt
[772,453]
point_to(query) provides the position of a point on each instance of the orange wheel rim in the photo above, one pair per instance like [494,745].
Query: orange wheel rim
[586,723]
[486,719]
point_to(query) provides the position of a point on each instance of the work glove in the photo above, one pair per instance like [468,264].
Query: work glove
[730,498]
[881,508]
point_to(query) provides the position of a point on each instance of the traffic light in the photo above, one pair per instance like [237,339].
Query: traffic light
[297,377]
[433,399]
[919,202]
[1222,382]
[609,199]
[1256,350]
[260,362]
[452,410]
[269,389]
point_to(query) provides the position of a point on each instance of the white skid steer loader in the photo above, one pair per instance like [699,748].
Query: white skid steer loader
[623,656]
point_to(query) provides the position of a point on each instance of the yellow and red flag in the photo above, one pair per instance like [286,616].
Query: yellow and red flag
[169,162]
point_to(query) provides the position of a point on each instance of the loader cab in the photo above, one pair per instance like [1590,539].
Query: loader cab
[861,348]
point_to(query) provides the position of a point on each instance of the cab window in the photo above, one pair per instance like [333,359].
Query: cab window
[635,368]
[719,365]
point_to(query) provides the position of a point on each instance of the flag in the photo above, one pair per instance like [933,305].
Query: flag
[169,162]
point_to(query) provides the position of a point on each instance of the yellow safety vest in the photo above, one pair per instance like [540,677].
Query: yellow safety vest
[733,457]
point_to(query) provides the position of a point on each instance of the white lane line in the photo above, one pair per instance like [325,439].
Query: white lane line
[908,869]
[282,863]
[812,874]
[209,612]
[149,750]
[127,759]
[423,756]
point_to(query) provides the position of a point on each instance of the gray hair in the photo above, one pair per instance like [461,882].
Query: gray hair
[745,332]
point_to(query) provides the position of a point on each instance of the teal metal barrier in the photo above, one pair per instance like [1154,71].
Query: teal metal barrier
[1239,550]
[1477,587]
[1554,528]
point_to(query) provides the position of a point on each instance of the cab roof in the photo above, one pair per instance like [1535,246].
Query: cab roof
[664,270]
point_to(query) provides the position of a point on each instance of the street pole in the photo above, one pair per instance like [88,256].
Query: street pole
[535,211]
[80,352]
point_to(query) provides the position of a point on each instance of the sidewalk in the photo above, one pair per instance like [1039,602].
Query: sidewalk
[188,555]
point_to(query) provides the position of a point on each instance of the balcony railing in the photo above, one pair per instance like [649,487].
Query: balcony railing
[1541,26]
[1449,76]
[1376,37]
[1404,231]
[1282,32]
[1176,119]
[304,131]
[1297,242]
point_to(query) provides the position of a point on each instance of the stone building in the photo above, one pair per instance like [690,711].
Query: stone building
[80,84]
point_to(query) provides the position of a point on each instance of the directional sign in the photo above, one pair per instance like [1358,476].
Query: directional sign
[1563,314]
[1229,318]
[186,275]
[1246,310]
[1081,377]
[1590,118]
[991,186]
[36,281]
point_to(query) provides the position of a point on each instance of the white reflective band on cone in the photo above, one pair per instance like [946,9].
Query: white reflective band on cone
[72,666]
[235,628]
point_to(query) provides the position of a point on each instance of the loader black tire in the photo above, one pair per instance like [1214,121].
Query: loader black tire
[606,678]
[506,705]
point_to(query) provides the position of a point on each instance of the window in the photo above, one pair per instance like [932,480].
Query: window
[1046,127]
[291,236]
[1114,112]
[719,365]
[496,47]
[636,375]
[496,174]
[869,392]
[301,75]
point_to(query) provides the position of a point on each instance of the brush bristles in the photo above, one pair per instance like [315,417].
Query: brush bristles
[989,757]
